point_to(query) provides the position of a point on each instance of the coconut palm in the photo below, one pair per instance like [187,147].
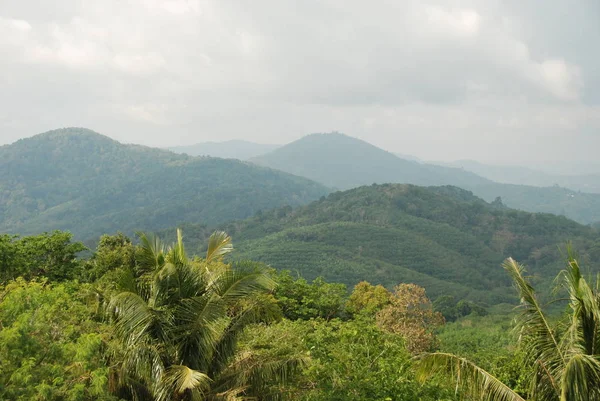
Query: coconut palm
[562,359]
[178,321]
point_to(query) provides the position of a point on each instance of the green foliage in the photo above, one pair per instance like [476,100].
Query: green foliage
[299,299]
[444,239]
[74,179]
[355,360]
[113,252]
[51,346]
[560,358]
[452,310]
[367,299]
[50,255]
[327,158]
[490,342]
[178,322]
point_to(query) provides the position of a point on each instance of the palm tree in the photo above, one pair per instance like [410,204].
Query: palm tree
[563,359]
[178,321]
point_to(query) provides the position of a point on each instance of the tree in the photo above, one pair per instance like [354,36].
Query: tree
[368,299]
[299,299]
[51,344]
[50,255]
[410,314]
[562,359]
[355,360]
[112,253]
[178,322]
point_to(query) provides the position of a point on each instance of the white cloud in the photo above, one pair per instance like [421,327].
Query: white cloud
[402,74]
[461,22]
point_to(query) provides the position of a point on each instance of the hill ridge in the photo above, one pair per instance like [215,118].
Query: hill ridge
[343,162]
[443,238]
[90,184]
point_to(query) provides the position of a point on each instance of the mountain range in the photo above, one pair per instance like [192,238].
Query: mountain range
[343,162]
[78,180]
[527,176]
[568,175]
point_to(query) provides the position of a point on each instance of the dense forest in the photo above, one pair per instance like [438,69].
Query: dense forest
[77,180]
[442,238]
[343,162]
[150,322]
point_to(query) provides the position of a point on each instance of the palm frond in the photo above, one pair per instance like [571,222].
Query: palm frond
[132,315]
[178,380]
[468,378]
[201,322]
[583,331]
[259,377]
[242,280]
[142,361]
[219,244]
[581,379]
[226,346]
[152,253]
[532,323]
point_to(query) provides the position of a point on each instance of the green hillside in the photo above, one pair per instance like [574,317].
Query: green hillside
[343,162]
[442,238]
[75,179]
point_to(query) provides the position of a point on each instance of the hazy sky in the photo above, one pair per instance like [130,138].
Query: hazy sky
[510,80]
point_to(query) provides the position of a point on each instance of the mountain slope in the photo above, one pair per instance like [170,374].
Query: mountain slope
[235,149]
[78,180]
[343,162]
[443,238]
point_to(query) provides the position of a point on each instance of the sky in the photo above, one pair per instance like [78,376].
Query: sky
[508,81]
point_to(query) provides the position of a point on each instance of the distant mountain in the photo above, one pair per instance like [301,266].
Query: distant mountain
[235,149]
[408,157]
[344,162]
[527,176]
[443,238]
[75,179]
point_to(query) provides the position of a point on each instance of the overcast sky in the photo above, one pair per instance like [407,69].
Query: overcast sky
[511,80]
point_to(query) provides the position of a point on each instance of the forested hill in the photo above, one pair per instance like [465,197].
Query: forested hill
[344,162]
[442,238]
[75,179]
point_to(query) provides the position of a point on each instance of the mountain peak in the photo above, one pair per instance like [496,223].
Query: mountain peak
[72,132]
[341,161]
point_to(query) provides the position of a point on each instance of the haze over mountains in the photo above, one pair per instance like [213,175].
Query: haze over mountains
[78,180]
[565,173]
[235,149]
[528,176]
[75,179]
[343,162]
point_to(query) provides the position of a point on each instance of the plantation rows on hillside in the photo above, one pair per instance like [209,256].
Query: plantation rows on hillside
[442,238]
